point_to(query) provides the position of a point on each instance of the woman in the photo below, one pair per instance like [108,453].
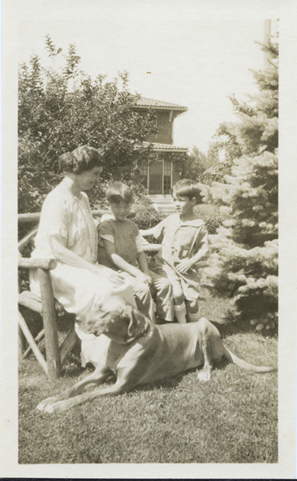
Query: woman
[68,233]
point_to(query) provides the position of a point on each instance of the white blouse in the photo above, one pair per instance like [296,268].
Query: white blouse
[70,219]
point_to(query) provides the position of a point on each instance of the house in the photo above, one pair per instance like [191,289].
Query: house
[159,177]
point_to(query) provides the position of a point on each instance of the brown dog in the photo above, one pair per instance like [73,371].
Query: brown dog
[138,352]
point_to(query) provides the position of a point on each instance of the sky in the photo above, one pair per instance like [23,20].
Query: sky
[196,56]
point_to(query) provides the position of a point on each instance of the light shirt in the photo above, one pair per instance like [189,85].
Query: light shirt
[180,239]
[68,218]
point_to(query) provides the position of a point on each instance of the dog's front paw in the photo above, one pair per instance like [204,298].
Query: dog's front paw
[56,407]
[203,375]
[45,403]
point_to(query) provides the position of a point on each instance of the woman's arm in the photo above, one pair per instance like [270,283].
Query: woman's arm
[68,257]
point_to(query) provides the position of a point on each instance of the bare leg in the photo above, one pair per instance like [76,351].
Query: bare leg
[192,310]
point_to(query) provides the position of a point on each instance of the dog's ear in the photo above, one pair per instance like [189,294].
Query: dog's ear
[136,320]
[127,315]
[132,322]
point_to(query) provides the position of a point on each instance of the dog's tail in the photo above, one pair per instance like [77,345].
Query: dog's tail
[236,360]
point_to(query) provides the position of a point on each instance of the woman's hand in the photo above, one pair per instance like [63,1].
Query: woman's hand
[109,274]
[116,278]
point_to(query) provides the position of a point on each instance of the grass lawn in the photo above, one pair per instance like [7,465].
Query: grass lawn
[230,419]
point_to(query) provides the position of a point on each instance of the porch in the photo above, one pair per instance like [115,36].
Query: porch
[163,203]
[159,177]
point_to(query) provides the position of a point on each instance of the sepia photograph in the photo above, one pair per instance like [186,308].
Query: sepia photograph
[149,180]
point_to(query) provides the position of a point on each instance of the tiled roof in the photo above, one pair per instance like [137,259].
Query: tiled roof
[145,102]
[166,147]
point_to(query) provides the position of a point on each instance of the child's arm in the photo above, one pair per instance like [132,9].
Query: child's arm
[156,231]
[142,261]
[119,262]
[147,232]
[188,262]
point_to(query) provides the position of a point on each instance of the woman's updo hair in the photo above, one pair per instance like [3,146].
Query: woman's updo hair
[81,159]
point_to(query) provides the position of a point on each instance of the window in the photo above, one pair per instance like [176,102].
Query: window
[167,177]
[160,175]
[156,178]
[144,174]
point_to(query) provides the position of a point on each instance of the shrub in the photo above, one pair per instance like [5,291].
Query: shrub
[212,215]
[146,216]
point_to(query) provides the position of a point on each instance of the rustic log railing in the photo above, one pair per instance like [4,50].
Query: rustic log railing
[35,216]
[45,305]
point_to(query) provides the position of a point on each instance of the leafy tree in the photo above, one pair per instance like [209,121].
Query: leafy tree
[216,169]
[198,164]
[244,261]
[62,108]
[182,165]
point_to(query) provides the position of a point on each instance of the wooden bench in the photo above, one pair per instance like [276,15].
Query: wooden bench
[45,305]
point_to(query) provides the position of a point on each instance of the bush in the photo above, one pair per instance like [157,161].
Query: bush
[212,215]
[146,216]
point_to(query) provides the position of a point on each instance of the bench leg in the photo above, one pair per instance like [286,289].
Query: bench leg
[50,326]
[21,343]
[31,342]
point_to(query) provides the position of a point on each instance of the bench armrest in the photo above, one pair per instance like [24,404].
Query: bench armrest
[152,248]
[31,263]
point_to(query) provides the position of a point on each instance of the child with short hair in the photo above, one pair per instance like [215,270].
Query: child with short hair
[184,241]
[120,247]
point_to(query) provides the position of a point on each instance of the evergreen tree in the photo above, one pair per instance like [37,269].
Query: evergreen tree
[244,262]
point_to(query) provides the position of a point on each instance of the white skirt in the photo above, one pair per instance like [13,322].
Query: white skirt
[78,290]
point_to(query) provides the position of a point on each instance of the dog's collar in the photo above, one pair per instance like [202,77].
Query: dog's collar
[143,333]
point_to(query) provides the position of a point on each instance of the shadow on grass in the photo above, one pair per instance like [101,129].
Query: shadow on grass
[229,328]
[174,381]
[217,311]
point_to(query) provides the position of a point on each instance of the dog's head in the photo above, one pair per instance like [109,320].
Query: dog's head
[116,319]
